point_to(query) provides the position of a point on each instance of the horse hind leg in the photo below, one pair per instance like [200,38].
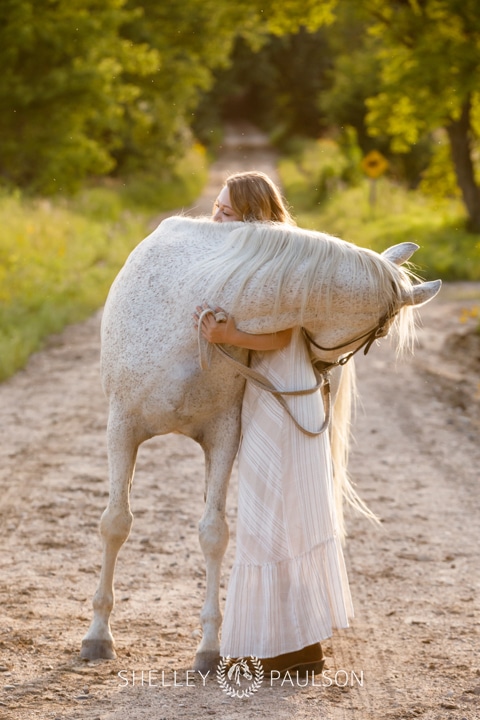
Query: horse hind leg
[115,526]
[220,443]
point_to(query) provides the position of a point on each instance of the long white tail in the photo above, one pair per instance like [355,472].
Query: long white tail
[340,434]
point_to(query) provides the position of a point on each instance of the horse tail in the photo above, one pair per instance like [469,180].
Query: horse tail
[340,434]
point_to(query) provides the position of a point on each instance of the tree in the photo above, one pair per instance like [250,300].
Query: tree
[62,89]
[90,86]
[354,72]
[354,78]
[429,52]
[194,40]
[276,87]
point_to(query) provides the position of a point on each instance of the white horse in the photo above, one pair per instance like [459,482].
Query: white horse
[270,277]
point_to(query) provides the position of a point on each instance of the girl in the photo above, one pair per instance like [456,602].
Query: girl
[288,586]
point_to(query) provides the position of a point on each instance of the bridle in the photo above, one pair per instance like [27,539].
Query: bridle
[321,368]
[368,338]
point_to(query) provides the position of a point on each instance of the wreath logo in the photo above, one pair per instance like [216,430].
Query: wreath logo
[234,671]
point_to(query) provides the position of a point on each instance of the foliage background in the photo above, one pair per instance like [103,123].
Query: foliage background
[122,87]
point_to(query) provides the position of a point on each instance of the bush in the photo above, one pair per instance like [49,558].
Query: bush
[55,267]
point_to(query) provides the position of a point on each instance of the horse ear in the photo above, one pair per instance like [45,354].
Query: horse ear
[423,292]
[400,253]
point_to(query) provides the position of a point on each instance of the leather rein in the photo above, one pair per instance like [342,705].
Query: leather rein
[321,368]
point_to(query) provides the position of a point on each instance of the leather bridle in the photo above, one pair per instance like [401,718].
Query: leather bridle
[368,338]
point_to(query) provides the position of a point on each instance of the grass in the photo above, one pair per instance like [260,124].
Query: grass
[59,258]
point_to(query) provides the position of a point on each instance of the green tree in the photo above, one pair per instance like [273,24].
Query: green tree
[62,89]
[194,40]
[354,77]
[429,52]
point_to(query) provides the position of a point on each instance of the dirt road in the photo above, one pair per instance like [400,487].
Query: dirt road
[413,650]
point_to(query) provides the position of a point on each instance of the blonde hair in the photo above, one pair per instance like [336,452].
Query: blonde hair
[255,197]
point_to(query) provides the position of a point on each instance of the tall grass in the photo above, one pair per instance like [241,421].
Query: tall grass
[59,258]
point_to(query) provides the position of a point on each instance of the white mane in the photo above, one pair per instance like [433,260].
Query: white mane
[270,255]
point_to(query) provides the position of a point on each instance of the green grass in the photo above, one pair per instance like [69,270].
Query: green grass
[59,258]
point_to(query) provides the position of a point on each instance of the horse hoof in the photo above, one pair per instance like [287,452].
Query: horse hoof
[206,661]
[96,649]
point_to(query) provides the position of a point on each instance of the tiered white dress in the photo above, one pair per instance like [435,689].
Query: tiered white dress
[288,587]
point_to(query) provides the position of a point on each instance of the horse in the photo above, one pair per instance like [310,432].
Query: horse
[240,669]
[270,277]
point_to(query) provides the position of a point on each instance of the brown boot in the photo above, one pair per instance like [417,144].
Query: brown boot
[308,659]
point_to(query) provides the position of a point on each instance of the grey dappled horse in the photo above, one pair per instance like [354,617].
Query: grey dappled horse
[270,277]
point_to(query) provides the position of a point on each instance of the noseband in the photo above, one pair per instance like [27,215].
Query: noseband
[368,339]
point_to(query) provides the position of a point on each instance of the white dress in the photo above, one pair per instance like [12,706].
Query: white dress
[288,587]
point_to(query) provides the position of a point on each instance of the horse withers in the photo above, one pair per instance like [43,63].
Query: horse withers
[270,277]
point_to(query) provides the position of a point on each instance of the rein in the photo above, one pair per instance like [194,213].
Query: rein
[321,368]
[370,337]
[264,383]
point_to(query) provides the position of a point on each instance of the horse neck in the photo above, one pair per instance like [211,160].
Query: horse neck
[260,311]
[336,313]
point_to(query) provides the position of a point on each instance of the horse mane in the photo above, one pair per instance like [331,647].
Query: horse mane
[275,255]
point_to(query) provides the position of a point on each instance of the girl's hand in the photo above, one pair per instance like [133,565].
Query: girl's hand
[226,332]
[213,330]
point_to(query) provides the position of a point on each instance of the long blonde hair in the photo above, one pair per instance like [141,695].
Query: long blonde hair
[255,197]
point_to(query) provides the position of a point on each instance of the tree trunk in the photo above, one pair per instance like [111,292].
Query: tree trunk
[459,133]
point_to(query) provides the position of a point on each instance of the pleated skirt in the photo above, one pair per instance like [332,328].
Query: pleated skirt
[288,586]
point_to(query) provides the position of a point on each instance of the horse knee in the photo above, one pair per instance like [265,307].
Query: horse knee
[115,525]
[214,536]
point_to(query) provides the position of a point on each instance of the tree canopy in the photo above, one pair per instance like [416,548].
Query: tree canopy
[66,75]
[95,87]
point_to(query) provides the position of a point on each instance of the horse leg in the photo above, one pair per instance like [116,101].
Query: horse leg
[115,527]
[220,444]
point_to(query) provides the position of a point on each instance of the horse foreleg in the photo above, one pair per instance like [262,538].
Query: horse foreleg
[220,444]
[115,527]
